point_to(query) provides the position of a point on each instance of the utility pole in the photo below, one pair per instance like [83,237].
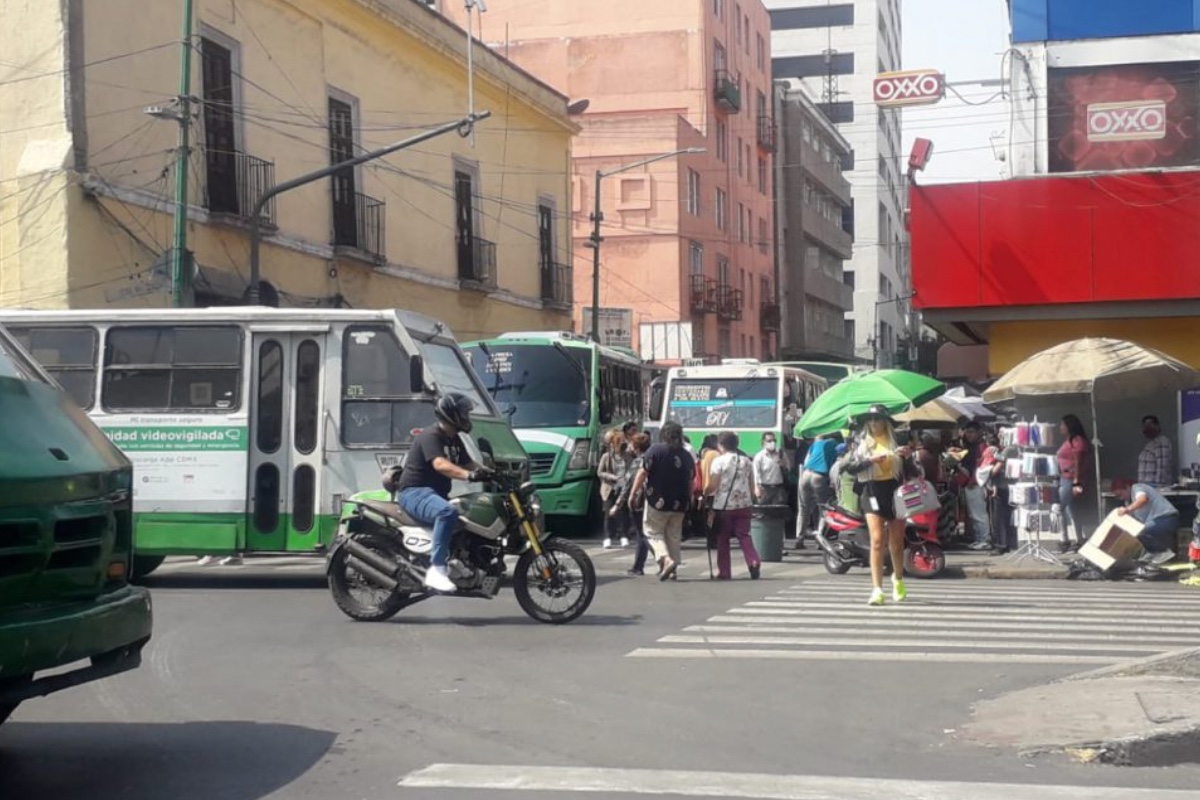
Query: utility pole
[179,259]
[598,216]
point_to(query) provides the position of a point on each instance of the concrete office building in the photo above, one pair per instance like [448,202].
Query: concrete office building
[835,50]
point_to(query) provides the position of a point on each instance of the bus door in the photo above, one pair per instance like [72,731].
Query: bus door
[285,440]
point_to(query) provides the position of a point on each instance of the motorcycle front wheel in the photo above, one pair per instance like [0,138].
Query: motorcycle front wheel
[557,586]
[355,593]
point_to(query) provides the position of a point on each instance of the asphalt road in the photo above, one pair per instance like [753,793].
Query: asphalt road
[255,686]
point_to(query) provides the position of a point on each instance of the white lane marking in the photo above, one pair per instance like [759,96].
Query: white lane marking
[756,786]
[896,621]
[928,590]
[842,655]
[929,609]
[828,641]
[918,631]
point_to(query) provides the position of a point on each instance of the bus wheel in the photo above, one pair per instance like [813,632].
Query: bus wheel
[144,565]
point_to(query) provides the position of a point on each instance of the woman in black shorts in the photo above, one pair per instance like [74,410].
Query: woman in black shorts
[879,464]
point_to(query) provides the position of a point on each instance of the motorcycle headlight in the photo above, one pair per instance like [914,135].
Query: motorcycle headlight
[579,455]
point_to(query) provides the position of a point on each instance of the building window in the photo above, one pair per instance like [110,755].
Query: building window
[848,278]
[167,368]
[476,257]
[741,160]
[760,52]
[345,189]
[720,62]
[719,9]
[722,210]
[695,258]
[848,330]
[742,222]
[722,141]
[763,239]
[220,138]
[722,270]
[746,34]
[693,195]
[723,337]
[737,21]
[762,176]
[764,290]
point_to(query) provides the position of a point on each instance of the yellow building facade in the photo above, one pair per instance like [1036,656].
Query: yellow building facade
[475,231]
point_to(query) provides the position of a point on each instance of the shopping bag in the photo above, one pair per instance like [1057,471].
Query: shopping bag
[915,497]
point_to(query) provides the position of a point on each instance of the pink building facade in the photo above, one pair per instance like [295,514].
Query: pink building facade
[687,239]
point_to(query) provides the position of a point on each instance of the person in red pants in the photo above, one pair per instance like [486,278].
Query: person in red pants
[731,487]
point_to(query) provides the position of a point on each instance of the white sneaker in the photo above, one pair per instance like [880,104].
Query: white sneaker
[624,541]
[204,561]
[231,561]
[607,544]
[438,579]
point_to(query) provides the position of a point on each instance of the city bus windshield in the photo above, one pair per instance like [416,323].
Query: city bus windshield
[535,383]
[720,403]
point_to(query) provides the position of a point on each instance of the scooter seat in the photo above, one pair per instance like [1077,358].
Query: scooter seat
[391,512]
[854,515]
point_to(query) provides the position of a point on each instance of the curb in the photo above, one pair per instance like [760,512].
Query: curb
[1165,749]
[1015,573]
[1169,663]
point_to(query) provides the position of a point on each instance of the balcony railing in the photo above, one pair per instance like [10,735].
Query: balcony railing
[769,317]
[477,261]
[358,224]
[766,133]
[558,284]
[234,182]
[729,303]
[726,91]
[702,294]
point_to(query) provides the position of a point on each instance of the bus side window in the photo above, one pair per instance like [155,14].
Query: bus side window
[657,397]
[68,354]
[195,368]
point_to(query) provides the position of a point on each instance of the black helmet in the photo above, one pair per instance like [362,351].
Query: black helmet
[454,409]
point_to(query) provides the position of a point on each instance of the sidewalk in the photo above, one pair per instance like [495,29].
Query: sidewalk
[1145,713]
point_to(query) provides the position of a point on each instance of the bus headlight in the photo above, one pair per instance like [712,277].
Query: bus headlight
[579,455]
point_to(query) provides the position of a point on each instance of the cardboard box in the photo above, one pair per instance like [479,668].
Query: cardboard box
[1114,541]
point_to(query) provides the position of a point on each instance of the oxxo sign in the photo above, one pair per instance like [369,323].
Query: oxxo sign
[911,88]
[1128,121]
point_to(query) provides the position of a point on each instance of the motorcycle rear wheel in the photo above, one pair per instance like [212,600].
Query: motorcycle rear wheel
[835,566]
[925,560]
[572,580]
[345,581]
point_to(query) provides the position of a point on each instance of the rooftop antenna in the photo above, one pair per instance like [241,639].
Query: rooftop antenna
[482,6]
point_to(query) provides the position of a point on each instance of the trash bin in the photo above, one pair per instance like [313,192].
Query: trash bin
[767,524]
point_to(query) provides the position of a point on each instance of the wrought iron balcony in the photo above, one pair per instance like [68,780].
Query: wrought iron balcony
[358,224]
[477,261]
[726,91]
[558,284]
[729,302]
[702,294]
[766,133]
[234,182]
[769,317]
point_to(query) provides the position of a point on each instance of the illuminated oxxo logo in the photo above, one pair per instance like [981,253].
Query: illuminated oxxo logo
[1127,121]
[912,88]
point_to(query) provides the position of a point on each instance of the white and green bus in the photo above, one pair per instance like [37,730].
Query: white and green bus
[562,393]
[248,426]
[739,395]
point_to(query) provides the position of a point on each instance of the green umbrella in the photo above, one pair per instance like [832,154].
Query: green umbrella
[896,389]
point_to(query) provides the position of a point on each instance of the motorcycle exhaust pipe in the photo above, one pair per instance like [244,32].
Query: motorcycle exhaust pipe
[368,555]
[374,575]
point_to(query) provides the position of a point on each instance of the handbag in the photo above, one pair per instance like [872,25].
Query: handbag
[915,497]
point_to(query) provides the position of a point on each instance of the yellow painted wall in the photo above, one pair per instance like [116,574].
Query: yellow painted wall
[405,69]
[1012,342]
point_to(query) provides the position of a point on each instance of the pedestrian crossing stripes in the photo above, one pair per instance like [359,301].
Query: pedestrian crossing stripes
[695,564]
[1042,622]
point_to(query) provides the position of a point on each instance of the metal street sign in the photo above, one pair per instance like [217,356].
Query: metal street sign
[909,88]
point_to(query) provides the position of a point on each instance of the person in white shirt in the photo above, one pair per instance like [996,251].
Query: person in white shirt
[731,487]
[769,468]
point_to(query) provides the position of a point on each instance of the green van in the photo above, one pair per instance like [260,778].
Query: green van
[66,537]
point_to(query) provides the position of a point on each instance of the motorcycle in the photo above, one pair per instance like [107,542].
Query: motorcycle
[845,542]
[377,565]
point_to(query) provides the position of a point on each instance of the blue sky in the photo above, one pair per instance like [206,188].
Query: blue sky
[965,39]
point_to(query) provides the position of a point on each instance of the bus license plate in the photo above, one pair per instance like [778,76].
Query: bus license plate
[388,460]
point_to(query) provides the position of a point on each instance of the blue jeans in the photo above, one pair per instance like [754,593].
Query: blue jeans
[1159,533]
[429,508]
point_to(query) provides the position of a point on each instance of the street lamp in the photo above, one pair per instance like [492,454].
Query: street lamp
[598,217]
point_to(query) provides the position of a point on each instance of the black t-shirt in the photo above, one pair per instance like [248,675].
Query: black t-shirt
[669,477]
[418,465]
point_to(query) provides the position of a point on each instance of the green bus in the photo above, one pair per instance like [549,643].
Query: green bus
[248,426]
[739,395]
[66,540]
[562,392]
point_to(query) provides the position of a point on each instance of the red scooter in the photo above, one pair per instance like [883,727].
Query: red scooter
[845,542]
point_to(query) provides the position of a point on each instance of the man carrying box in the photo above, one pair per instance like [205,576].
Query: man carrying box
[1145,504]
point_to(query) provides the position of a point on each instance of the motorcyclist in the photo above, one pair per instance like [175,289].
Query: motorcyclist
[436,458]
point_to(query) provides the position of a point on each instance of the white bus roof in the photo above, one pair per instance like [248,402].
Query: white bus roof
[738,371]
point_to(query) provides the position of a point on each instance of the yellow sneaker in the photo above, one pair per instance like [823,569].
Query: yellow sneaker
[899,592]
[876,598]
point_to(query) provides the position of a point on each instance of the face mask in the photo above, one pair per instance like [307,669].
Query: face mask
[770,446]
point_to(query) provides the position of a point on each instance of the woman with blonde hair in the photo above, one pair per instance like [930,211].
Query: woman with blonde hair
[614,472]
[878,462]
